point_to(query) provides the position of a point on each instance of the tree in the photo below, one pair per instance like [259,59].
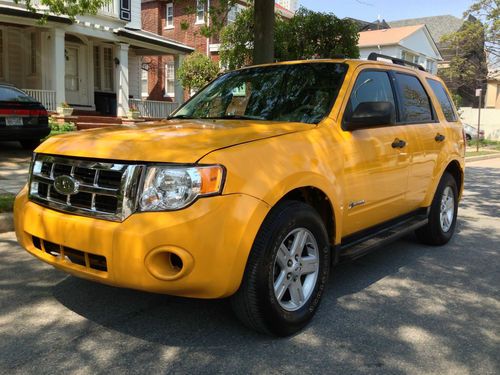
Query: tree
[307,35]
[488,12]
[196,71]
[63,7]
[264,20]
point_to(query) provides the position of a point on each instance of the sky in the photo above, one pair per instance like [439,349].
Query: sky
[390,10]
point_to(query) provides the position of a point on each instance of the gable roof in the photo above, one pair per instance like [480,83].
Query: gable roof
[437,25]
[366,25]
[386,36]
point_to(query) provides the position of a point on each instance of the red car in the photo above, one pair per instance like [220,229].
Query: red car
[22,118]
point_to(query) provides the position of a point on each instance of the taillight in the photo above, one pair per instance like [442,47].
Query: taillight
[39,112]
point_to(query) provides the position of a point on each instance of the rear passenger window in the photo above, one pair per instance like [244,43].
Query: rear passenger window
[443,99]
[416,106]
[371,86]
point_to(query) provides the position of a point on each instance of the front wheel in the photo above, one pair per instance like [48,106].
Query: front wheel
[442,215]
[286,273]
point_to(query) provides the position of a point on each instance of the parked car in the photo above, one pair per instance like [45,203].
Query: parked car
[254,188]
[471,132]
[22,118]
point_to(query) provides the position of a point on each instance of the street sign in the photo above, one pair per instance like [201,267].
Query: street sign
[479,92]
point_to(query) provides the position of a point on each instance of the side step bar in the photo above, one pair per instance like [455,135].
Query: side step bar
[361,246]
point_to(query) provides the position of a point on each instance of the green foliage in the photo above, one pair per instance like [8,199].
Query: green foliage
[488,12]
[6,202]
[196,71]
[61,128]
[63,7]
[307,35]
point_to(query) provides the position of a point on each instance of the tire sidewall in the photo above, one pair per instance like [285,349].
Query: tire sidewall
[279,320]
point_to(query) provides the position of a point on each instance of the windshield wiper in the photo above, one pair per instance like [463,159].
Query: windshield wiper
[235,117]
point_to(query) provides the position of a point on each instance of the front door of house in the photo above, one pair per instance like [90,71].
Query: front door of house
[75,75]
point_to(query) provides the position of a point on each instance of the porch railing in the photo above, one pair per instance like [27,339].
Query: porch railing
[153,108]
[109,8]
[46,97]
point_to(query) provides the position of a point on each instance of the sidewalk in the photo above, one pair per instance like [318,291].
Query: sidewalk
[14,166]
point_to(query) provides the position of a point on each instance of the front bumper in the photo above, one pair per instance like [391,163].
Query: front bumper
[213,238]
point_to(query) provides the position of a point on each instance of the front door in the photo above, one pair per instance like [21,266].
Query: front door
[75,75]
[376,167]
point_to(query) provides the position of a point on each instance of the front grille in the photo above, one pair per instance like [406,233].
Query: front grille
[103,190]
[81,258]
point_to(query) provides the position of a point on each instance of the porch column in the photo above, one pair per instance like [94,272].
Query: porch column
[58,65]
[122,81]
[179,90]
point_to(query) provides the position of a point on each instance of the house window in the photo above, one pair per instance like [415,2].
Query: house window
[170,79]
[429,66]
[231,15]
[200,11]
[103,69]
[107,57]
[32,59]
[170,16]
[410,57]
[97,68]
[144,83]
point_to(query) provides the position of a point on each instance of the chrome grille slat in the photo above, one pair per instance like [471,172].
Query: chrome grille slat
[113,201]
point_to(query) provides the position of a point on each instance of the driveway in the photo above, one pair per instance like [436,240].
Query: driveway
[14,165]
[406,309]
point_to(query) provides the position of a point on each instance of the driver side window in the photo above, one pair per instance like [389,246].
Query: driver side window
[371,86]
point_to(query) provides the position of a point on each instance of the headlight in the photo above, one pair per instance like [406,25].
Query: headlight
[169,188]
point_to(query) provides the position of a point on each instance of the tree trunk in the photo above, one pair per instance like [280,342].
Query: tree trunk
[264,32]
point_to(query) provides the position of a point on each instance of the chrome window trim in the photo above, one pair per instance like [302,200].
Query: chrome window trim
[126,195]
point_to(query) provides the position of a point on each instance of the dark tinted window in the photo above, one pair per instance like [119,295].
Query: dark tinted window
[444,100]
[9,94]
[294,93]
[371,86]
[416,106]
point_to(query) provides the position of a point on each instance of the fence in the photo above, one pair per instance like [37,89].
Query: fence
[46,97]
[153,108]
[490,120]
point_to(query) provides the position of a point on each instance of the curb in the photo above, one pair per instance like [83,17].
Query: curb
[471,159]
[6,222]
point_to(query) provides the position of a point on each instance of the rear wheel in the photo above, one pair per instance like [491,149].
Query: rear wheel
[286,273]
[30,144]
[443,214]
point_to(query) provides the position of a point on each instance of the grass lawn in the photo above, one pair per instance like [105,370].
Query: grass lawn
[6,202]
[480,153]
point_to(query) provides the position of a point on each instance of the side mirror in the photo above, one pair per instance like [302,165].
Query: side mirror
[368,114]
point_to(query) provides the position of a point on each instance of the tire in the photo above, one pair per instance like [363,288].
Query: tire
[30,144]
[438,232]
[468,138]
[255,303]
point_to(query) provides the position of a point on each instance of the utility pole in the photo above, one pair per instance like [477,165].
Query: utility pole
[263,46]
[479,92]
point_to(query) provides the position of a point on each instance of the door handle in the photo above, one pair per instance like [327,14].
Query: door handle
[439,137]
[398,143]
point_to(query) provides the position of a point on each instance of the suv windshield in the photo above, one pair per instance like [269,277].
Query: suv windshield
[292,93]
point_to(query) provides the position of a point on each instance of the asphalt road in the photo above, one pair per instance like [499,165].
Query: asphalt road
[406,309]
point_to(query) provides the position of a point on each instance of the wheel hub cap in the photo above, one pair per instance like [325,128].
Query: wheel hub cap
[447,209]
[296,269]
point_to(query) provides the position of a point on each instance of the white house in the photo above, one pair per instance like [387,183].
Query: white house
[92,64]
[410,43]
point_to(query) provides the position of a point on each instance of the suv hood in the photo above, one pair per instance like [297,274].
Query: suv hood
[174,141]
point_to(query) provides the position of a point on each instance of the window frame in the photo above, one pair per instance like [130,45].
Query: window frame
[3,54]
[434,118]
[167,66]
[102,80]
[144,78]
[453,108]
[169,24]
[394,94]
[200,8]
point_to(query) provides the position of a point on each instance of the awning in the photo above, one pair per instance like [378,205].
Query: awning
[149,44]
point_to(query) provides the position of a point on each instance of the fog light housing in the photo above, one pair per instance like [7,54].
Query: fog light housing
[169,263]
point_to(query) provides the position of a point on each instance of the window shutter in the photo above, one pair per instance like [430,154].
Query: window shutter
[125,10]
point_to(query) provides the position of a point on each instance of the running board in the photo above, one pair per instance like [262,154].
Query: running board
[361,246]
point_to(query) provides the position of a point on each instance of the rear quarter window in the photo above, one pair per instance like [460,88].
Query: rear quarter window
[8,94]
[416,105]
[443,99]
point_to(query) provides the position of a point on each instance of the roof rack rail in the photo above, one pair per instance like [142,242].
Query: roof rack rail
[375,56]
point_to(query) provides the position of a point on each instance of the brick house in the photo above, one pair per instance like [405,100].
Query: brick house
[180,21]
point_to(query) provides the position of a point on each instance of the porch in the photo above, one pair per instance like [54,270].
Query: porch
[90,67]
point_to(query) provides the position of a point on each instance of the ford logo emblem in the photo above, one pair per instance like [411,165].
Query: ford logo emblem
[66,185]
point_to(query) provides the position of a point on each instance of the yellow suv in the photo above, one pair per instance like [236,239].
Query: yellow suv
[254,187]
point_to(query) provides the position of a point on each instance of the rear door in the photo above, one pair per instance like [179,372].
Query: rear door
[376,172]
[426,135]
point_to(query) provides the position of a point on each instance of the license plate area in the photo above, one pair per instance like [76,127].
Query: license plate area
[14,121]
